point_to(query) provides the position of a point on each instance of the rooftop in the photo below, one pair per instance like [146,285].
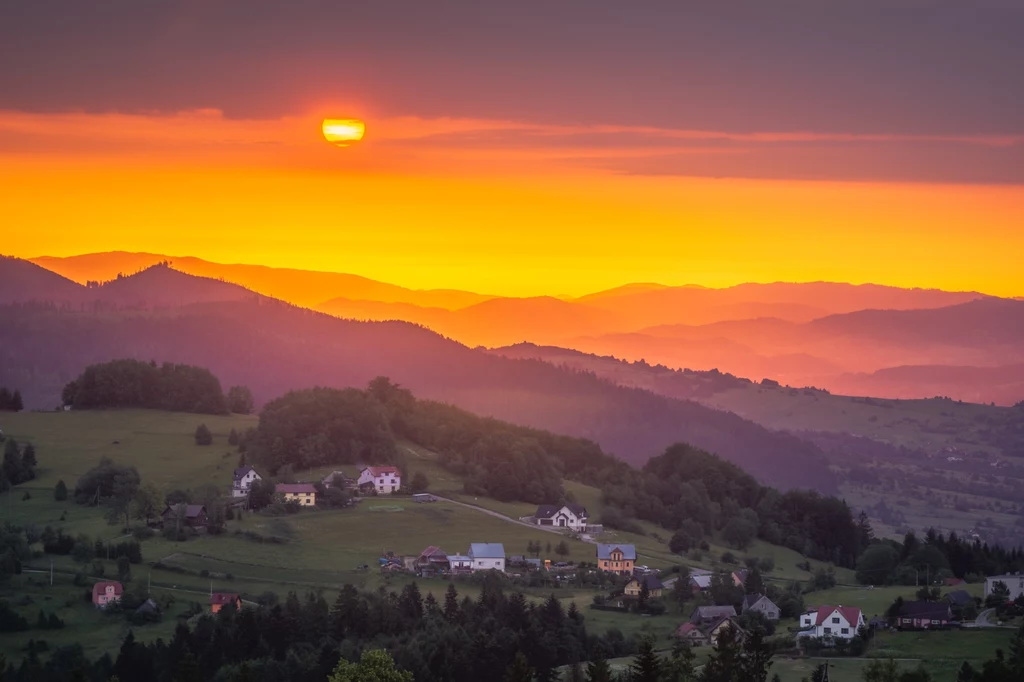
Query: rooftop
[487,550]
[294,488]
[605,551]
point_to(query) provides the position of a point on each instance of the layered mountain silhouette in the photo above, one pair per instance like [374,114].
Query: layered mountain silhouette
[273,347]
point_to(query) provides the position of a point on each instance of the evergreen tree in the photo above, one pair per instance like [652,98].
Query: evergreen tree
[682,665]
[451,604]
[5,399]
[375,665]
[645,666]
[28,457]
[60,491]
[233,440]
[598,670]
[519,671]
[725,664]
[966,673]
[754,583]
[16,403]
[203,435]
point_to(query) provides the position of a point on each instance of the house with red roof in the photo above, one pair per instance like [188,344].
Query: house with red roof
[106,592]
[692,634]
[840,622]
[220,599]
[384,480]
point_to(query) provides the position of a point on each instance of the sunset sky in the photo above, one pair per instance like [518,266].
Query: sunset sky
[525,148]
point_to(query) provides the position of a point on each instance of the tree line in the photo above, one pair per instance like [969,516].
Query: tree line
[10,401]
[169,386]
[19,463]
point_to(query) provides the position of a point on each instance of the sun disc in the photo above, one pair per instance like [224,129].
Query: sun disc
[343,131]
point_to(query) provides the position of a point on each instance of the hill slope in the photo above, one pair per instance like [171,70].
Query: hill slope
[22,281]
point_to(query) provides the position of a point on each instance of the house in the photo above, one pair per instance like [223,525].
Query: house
[692,634]
[189,515]
[243,480]
[924,615]
[459,563]
[616,558]
[761,604]
[721,626]
[707,615]
[700,583]
[337,478]
[1015,583]
[960,598]
[219,600]
[635,585]
[384,480]
[831,621]
[106,592]
[487,556]
[571,516]
[303,493]
[432,559]
[739,577]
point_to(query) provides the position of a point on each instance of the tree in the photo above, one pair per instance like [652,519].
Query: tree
[754,583]
[520,670]
[233,439]
[646,667]
[451,604]
[203,435]
[124,569]
[562,549]
[966,673]
[147,502]
[419,482]
[598,670]
[60,491]
[28,457]
[725,662]
[5,398]
[240,400]
[16,404]
[999,596]
[375,665]
[682,665]
[879,670]
[739,532]
[877,563]
[681,590]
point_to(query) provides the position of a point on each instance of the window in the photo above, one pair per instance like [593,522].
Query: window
[845,631]
[828,631]
[835,620]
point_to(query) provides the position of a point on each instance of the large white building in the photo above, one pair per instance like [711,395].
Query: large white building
[385,480]
[571,516]
[837,622]
[487,556]
[1014,582]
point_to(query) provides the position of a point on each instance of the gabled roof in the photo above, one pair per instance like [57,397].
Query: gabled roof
[546,511]
[687,628]
[703,581]
[330,477]
[713,612]
[223,598]
[930,610]
[850,613]
[101,588]
[751,599]
[191,510]
[242,471]
[458,558]
[432,551]
[487,550]
[605,551]
[650,580]
[381,471]
[294,488]
[726,619]
[739,576]
[960,597]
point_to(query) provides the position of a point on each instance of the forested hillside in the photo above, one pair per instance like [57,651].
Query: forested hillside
[273,347]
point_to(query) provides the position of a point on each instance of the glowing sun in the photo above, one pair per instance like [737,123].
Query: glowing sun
[343,131]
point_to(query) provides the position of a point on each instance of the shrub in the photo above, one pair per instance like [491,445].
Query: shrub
[729,558]
[203,435]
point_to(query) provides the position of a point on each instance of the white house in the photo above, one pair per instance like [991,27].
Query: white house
[487,555]
[831,621]
[244,478]
[459,562]
[385,480]
[571,516]
[1014,582]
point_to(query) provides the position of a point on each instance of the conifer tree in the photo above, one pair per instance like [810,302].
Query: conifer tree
[645,666]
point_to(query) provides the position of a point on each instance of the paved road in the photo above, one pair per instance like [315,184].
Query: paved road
[986,619]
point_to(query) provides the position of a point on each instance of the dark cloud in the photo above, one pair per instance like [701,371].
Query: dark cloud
[864,66]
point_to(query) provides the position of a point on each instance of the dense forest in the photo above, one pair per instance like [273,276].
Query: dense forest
[273,347]
[11,401]
[133,383]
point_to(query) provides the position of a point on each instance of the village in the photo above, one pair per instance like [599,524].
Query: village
[630,587]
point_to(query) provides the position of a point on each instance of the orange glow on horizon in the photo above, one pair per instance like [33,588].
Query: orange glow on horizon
[342,132]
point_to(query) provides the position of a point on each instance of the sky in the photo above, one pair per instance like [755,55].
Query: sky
[525,148]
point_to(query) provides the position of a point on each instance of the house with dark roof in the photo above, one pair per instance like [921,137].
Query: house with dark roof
[303,493]
[723,625]
[571,516]
[704,616]
[106,592]
[959,598]
[243,479]
[188,515]
[759,603]
[636,584]
[924,615]
[219,600]
[616,558]
[337,478]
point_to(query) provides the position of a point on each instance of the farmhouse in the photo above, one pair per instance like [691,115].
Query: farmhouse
[384,480]
[219,600]
[761,604]
[635,586]
[243,480]
[189,515]
[923,615]
[432,559]
[692,634]
[487,555]
[1014,582]
[831,621]
[700,582]
[960,598]
[571,516]
[616,558]
[337,478]
[721,626]
[708,615]
[303,493]
[106,592]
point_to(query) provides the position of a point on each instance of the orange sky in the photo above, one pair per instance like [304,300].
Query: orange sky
[499,206]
